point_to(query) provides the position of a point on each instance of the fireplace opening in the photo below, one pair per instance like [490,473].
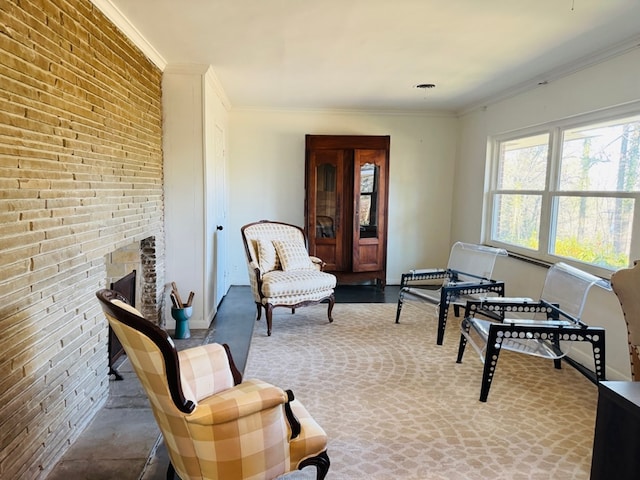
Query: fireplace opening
[125,286]
[131,271]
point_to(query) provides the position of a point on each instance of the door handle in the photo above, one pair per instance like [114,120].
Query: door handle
[219,227]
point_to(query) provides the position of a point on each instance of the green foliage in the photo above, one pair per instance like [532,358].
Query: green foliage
[531,242]
[594,252]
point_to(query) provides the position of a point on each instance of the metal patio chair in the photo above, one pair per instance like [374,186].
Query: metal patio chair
[468,274]
[534,327]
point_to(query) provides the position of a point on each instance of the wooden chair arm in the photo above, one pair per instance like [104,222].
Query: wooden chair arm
[294,423]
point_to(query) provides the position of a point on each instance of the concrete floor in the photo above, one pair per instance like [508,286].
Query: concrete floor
[122,436]
[123,441]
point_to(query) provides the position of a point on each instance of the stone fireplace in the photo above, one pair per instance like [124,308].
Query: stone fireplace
[141,257]
[131,271]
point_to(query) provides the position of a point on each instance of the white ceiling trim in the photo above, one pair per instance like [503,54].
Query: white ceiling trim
[432,113]
[206,72]
[116,16]
[560,72]
[213,79]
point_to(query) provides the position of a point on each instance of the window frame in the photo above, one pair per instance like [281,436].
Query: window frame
[552,192]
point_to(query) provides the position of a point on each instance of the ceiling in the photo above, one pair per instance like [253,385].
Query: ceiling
[371,54]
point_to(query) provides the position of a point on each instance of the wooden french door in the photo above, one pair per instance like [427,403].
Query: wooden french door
[370,210]
[326,208]
[346,204]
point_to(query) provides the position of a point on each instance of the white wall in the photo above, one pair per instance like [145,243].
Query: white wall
[610,83]
[266,175]
[183,186]
[191,110]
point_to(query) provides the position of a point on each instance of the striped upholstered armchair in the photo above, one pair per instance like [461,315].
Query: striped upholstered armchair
[281,272]
[215,425]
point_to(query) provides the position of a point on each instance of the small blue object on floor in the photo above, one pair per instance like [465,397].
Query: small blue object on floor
[182,316]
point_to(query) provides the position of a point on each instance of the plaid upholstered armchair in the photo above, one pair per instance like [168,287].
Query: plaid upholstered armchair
[281,272]
[215,425]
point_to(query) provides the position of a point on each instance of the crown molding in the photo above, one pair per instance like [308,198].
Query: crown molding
[434,113]
[206,72]
[186,68]
[212,78]
[555,74]
[130,31]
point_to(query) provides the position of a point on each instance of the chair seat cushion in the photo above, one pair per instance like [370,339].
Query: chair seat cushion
[279,283]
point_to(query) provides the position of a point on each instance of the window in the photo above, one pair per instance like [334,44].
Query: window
[568,192]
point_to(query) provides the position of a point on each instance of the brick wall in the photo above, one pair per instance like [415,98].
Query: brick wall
[80,177]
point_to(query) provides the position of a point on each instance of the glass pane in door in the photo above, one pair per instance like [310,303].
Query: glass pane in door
[368,212]
[326,201]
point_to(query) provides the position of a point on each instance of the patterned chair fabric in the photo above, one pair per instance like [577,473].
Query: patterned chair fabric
[215,425]
[281,272]
[626,285]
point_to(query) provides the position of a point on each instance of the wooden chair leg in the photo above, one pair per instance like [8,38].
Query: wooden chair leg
[332,301]
[171,473]
[321,462]
[269,309]
[400,302]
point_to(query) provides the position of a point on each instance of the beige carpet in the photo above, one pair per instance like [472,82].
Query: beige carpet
[397,406]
